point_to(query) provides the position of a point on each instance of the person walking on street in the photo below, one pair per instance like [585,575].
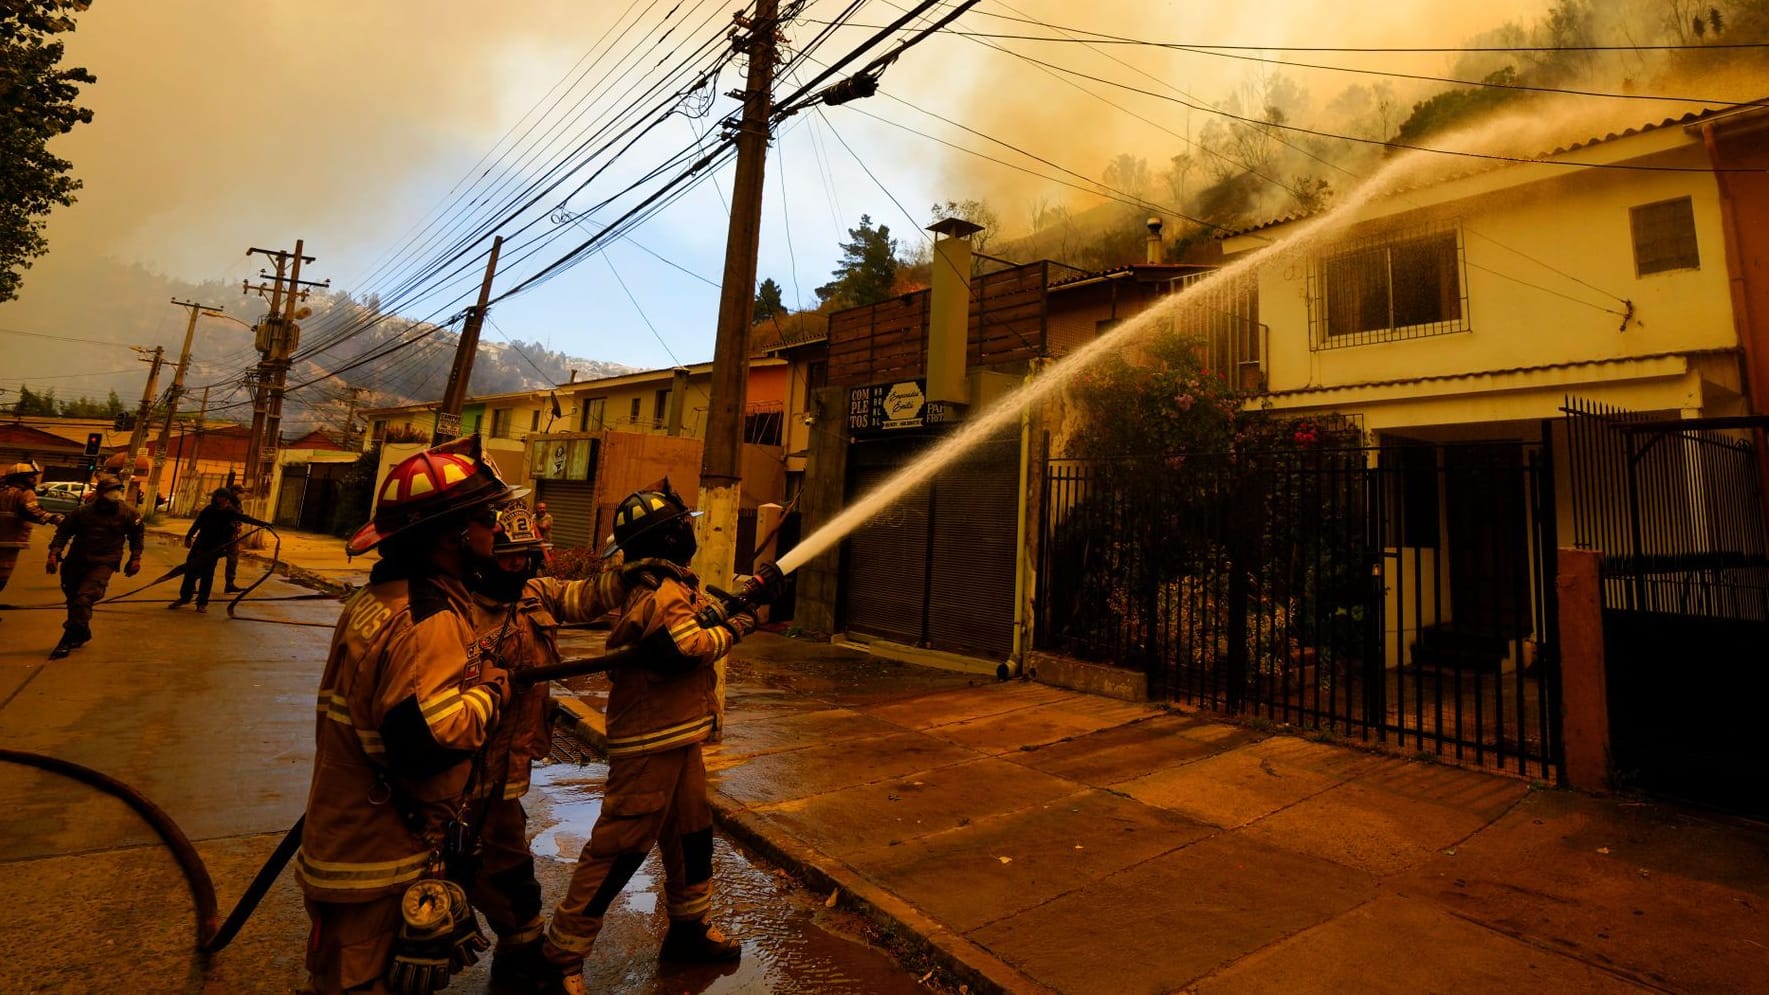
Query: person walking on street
[659,712]
[543,523]
[215,530]
[93,536]
[233,548]
[406,703]
[516,615]
[18,512]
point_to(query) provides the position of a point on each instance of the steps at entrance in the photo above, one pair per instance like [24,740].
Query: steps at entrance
[1444,647]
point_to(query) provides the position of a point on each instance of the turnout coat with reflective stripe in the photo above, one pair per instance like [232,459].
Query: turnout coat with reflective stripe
[529,638]
[18,512]
[400,717]
[667,700]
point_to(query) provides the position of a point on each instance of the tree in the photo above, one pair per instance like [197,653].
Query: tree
[868,267]
[768,303]
[977,212]
[39,104]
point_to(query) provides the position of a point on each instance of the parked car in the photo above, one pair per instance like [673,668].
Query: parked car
[62,496]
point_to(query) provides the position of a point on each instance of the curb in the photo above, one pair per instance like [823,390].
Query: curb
[905,926]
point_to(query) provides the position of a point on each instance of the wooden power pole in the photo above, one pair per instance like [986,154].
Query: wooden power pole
[277,339]
[454,396]
[721,465]
[161,451]
[139,435]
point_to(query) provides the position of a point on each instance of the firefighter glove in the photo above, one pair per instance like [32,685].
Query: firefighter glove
[741,624]
[54,561]
[467,941]
[497,679]
[713,614]
[768,583]
[422,953]
[133,567]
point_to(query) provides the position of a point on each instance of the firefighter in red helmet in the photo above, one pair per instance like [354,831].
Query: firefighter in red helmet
[406,701]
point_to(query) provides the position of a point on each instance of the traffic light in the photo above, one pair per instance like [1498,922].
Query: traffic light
[94,440]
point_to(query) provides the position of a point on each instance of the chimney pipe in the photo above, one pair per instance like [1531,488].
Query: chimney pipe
[1156,251]
[948,334]
[678,398]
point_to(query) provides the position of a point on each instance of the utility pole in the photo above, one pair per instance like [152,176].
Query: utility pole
[139,435]
[350,417]
[721,465]
[454,396]
[161,451]
[277,338]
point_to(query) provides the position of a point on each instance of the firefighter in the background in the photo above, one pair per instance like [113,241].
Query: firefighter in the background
[232,573]
[659,712]
[18,512]
[405,704]
[517,618]
[94,536]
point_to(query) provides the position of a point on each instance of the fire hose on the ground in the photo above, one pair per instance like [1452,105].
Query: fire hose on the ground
[214,933]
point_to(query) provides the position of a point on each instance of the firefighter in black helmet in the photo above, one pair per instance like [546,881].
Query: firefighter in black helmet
[659,712]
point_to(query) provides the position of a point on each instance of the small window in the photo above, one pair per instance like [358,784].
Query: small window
[633,412]
[590,419]
[534,420]
[660,410]
[500,423]
[1664,236]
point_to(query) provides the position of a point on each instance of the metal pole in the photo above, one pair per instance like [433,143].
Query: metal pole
[721,468]
[454,396]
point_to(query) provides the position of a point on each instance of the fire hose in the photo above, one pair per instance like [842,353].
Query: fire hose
[215,933]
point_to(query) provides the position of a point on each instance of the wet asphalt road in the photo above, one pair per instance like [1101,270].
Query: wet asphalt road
[212,718]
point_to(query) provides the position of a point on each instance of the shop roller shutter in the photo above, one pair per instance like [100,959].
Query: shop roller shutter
[572,505]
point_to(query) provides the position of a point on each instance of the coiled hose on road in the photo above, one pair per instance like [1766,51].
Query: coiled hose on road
[213,933]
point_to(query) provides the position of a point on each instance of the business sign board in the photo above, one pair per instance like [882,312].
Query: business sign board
[893,407]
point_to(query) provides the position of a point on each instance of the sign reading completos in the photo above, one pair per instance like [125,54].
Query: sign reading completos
[887,407]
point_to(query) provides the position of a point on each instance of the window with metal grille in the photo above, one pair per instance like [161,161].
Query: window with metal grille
[1397,285]
[1664,236]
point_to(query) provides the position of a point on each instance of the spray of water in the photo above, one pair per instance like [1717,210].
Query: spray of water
[1060,374]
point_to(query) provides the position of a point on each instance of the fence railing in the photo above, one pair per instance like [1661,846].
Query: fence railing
[1362,592]
[1677,513]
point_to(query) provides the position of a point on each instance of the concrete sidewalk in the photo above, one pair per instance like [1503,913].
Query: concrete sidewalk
[1028,838]
[1038,839]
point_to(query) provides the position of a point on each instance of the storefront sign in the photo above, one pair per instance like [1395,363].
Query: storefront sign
[889,407]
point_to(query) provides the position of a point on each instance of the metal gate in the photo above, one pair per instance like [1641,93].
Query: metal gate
[1677,509]
[938,567]
[1399,594]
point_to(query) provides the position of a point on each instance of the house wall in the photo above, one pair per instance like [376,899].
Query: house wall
[617,402]
[632,461]
[1576,222]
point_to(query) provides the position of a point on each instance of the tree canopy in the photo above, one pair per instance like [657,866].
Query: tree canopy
[868,267]
[769,304]
[39,104]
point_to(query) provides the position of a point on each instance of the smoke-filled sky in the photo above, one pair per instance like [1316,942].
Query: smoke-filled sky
[220,125]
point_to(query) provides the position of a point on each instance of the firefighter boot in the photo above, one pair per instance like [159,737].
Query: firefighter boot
[698,942]
[520,968]
[62,648]
[79,635]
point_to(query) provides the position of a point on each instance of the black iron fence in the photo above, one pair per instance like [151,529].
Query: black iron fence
[1678,513]
[1400,595]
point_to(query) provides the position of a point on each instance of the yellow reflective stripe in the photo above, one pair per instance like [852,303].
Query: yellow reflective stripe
[662,739]
[333,706]
[480,700]
[684,628]
[515,789]
[694,908]
[568,941]
[722,640]
[440,707]
[371,742]
[527,934]
[340,875]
